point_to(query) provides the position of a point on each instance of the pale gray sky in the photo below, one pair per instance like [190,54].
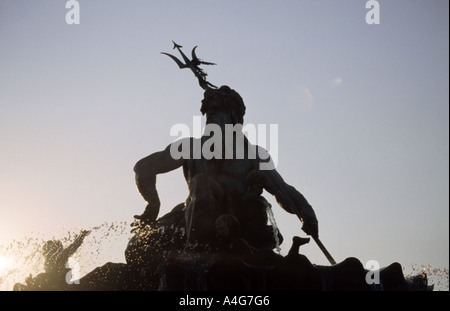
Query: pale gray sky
[363,112]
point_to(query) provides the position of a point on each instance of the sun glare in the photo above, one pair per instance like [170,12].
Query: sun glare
[5,264]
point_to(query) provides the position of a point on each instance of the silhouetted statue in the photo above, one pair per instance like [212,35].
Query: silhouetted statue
[222,185]
[55,265]
[219,238]
[294,272]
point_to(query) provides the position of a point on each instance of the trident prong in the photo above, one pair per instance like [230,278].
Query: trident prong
[193,65]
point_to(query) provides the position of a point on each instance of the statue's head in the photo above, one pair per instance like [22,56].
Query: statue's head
[223,106]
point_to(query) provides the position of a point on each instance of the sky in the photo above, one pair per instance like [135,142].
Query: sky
[362,113]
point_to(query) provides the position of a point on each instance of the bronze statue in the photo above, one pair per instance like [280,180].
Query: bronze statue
[221,185]
[219,238]
[56,259]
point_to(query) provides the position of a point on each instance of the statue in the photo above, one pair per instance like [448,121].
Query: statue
[219,238]
[220,185]
[56,259]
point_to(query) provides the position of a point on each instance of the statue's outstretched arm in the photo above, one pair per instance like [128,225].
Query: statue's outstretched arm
[286,195]
[146,170]
[72,248]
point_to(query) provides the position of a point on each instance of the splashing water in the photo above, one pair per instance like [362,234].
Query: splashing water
[20,258]
[272,221]
[107,243]
[438,277]
[17,255]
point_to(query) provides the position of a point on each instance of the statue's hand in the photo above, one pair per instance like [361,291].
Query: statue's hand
[84,233]
[310,224]
[147,217]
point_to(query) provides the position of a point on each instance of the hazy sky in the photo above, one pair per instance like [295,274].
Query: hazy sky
[362,111]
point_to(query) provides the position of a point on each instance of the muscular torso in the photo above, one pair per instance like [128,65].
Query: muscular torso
[229,173]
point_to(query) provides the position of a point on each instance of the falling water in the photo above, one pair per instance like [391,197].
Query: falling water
[438,277]
[21,258]
[274,227]
[107,243]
